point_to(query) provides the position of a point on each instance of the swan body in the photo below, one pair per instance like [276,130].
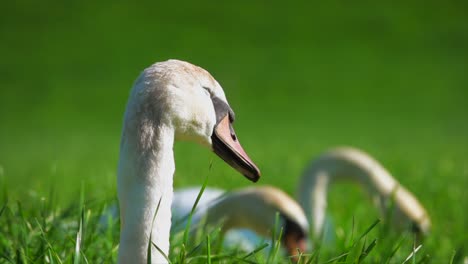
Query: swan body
[171,100]
[184,200]
[348,163]
[245,210]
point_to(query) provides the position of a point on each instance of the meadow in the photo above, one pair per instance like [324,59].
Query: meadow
[390,79]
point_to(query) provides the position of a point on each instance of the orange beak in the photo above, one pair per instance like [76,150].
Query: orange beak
[227,146]
[294,246]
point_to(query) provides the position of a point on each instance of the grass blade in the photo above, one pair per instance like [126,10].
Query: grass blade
[79,236]
[148,253]
[413,253]
[394,251]
[369,229]
[366,252]
[208,249]
[453,257]
[189,220]
[313,257]
[160,252]
[336,258]
[49,246]
[256,250]
[196,248]
[3,209]
[275,240]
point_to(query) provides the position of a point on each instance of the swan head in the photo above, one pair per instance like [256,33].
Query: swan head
[256,208]
[293,220]
[295,237]
[188,99]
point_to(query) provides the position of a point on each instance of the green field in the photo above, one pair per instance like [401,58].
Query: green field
[302,77]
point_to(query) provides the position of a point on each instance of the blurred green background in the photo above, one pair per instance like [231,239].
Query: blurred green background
[391,79]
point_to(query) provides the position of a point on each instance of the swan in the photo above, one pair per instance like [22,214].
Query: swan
[242,211]
[335,165]
[170,100]
[347,163]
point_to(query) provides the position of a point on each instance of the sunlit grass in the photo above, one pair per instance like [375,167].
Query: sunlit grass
[44,233]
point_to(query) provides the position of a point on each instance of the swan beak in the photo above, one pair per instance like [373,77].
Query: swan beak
[295,245]
[227,146]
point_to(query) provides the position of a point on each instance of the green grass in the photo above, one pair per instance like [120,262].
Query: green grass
[303,77]
[75,235]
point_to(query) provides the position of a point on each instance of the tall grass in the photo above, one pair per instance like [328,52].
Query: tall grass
[43,233]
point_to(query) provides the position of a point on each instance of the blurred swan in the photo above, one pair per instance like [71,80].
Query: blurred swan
[348,163]
[333,166]
[171,100]
[245,210]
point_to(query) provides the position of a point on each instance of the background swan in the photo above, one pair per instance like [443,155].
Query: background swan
[244,210]
[170,100]
[333,166]
[348,163]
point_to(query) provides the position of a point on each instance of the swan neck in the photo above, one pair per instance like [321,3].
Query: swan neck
[313,198]
[241,211]
[145,178]
[328,169]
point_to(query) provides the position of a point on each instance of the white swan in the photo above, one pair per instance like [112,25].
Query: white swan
[244,210]
[348,163]
[339,164]
[170,100]
[335,165]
